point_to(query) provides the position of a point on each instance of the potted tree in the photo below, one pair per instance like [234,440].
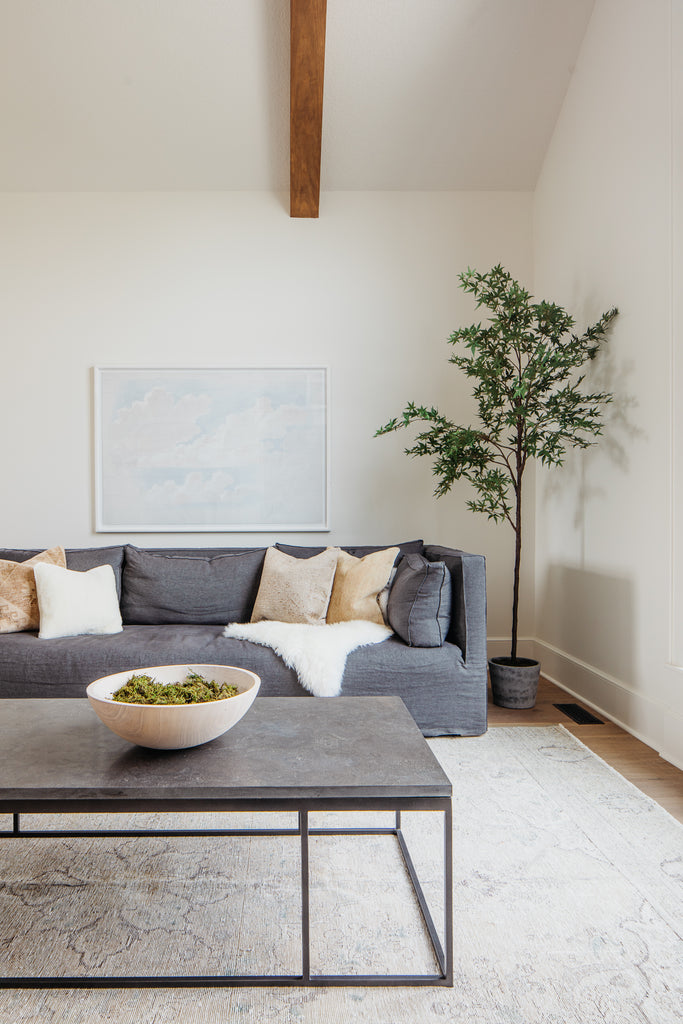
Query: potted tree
[525,363]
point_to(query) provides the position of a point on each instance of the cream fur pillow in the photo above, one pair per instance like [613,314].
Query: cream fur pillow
[72,603]
[357,585]
[295,589]
[18,599]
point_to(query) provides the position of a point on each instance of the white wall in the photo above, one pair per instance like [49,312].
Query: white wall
[604,525]
[205,279]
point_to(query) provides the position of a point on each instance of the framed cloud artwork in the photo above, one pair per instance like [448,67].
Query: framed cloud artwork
[212,449]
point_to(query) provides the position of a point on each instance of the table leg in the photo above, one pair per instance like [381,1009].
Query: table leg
[305,900]
[448,892]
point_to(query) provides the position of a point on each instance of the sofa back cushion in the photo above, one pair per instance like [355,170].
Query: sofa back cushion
[202,588]
[80,559]
[406,548]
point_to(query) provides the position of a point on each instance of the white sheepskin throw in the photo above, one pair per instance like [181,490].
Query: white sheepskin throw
[317,653]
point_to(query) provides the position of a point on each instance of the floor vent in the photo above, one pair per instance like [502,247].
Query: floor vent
[578,714]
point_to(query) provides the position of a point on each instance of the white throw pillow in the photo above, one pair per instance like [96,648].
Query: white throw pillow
[71,603]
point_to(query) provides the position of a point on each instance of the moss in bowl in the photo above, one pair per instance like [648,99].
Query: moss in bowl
[194,689]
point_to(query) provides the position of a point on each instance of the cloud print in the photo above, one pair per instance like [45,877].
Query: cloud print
[215,450]
[172,438]
[195,489]
[158,421]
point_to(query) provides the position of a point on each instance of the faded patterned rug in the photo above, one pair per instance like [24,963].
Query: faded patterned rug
[568,906]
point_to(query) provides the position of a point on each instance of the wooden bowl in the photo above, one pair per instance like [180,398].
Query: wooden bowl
[174,726]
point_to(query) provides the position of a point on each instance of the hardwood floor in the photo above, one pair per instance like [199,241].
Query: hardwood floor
[637,762]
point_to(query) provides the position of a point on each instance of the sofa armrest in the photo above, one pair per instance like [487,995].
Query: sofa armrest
[468,614]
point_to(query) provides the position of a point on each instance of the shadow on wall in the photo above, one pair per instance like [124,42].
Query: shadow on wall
[589,616]
[620,432]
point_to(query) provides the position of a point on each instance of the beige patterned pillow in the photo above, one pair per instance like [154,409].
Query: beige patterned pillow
[357,585]
[295,589]
[18,599]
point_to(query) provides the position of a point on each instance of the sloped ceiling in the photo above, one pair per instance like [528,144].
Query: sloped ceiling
[194,94]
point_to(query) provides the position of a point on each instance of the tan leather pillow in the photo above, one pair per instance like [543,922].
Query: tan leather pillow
[295,589]
[18,598]
[357,584]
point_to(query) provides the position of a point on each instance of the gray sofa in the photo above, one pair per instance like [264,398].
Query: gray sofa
[168,621]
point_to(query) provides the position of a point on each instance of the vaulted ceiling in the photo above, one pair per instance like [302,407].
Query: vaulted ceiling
[194,94]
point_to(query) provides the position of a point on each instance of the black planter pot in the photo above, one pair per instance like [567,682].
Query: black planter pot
[514,681]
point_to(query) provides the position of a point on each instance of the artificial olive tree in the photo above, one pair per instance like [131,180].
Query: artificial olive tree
[525,365]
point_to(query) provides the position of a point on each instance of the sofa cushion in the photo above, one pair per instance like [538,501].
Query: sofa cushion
[419,605]
[429,679]
[73,603]
[81,559]
[18,598]
[407,547]
[202,589]
[357,585]
[295,589]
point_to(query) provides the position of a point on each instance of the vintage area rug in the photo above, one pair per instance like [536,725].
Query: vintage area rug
[568,906]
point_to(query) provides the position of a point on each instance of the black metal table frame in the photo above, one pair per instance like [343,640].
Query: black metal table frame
[443,952]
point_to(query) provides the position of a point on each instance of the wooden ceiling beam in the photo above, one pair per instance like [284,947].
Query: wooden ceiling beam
[307,68]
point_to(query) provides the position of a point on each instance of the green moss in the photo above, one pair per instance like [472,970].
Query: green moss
[194,689]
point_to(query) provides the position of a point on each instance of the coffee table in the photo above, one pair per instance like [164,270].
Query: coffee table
[288,754]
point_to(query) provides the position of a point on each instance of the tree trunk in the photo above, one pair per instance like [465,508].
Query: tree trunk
[518,559]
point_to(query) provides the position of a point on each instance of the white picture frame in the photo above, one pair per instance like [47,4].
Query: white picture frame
[215,449]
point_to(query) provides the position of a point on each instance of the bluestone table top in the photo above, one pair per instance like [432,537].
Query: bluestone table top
[284,748]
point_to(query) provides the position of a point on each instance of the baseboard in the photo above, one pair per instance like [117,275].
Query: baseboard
[604,694]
